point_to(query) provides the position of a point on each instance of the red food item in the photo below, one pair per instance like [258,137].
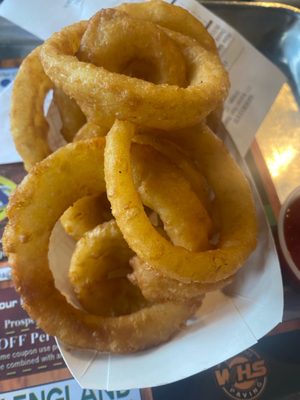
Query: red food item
[292,230]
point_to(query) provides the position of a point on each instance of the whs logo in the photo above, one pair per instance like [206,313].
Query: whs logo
[243,376]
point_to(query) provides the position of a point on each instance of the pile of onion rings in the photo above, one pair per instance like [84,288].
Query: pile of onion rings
[160,212]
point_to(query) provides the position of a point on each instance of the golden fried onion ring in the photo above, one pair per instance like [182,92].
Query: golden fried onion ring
[237,212]
[162,187]
[115,42]
[73,171]
[157,106]
[28,124]
[186,165]
[85,214]
[155,286]
[98,273]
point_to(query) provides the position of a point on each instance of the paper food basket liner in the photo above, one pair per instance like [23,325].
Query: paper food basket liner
[228,322]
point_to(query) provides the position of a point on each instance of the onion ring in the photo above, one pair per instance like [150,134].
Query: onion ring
[157,287]
[175,154]
[29,127]
[85,214]
[158,182]
[238,233]
[73,171]
[157,106]
[114,41]
[98,273]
